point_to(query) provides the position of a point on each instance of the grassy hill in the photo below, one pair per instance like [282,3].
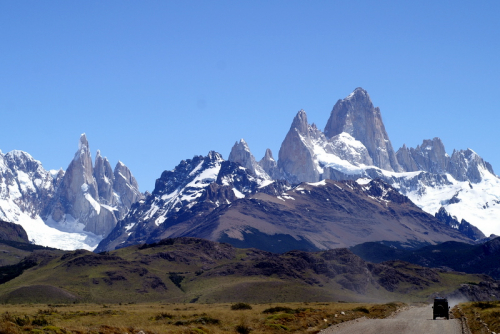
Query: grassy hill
[479,259]
[197,270]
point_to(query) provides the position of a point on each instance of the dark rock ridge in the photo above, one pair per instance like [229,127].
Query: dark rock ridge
[193,189]
[220,200]
[463,226]
[12,232]
[463,257]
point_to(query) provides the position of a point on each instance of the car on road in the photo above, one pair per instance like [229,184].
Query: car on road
[440,308]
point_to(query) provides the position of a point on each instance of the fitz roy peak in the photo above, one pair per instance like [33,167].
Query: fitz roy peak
[68,209]
[356,116]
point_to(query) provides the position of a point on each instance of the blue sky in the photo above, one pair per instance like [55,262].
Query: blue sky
[154,82]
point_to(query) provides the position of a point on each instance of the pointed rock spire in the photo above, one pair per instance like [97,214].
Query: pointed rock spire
[269,165]
[300,122]
[296,156]
[92,197]
[240,153]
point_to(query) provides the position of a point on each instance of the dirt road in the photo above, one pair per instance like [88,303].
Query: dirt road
[414,320]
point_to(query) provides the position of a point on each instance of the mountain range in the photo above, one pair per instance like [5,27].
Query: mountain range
[328,189]
[338,187]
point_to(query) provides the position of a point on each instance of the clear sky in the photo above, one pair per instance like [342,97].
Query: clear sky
[154,82]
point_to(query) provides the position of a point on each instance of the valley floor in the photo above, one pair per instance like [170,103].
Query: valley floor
[184,318]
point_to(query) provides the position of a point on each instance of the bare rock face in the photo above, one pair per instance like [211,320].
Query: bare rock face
[103,174]
[269,165]
[466,165]
[406,160]
[92,199]
[306,155]
[463,165]
[126,189]
[12,232]
[430,157]
[357,116]
[240,154]
[296,155]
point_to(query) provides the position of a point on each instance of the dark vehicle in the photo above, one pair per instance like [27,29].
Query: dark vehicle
[440,308]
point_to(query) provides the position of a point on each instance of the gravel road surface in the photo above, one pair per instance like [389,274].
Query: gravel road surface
[414,320]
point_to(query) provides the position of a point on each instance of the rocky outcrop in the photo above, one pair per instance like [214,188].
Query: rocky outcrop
[357,116]
[463,226]
[12,232]
[126,189]
[430,157]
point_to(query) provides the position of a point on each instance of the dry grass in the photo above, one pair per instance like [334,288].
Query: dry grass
[482,317]
[183,318]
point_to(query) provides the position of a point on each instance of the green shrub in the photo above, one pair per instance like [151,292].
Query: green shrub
[361,309]
[162,316]
[40,321]
[278,309]
[241,306]
[484,305]
[243,329]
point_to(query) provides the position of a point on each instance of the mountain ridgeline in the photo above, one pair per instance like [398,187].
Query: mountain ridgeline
[334,188]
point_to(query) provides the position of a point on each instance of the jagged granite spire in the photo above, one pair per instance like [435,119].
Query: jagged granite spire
[86,197]
[240,153]
[357,116]
[269,165]
[463,165]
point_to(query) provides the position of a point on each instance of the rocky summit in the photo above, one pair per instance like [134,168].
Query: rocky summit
[356,116]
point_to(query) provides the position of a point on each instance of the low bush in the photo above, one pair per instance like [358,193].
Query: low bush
[278,309]
[241,306]
[361,309]
[243,329]
[162,316]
